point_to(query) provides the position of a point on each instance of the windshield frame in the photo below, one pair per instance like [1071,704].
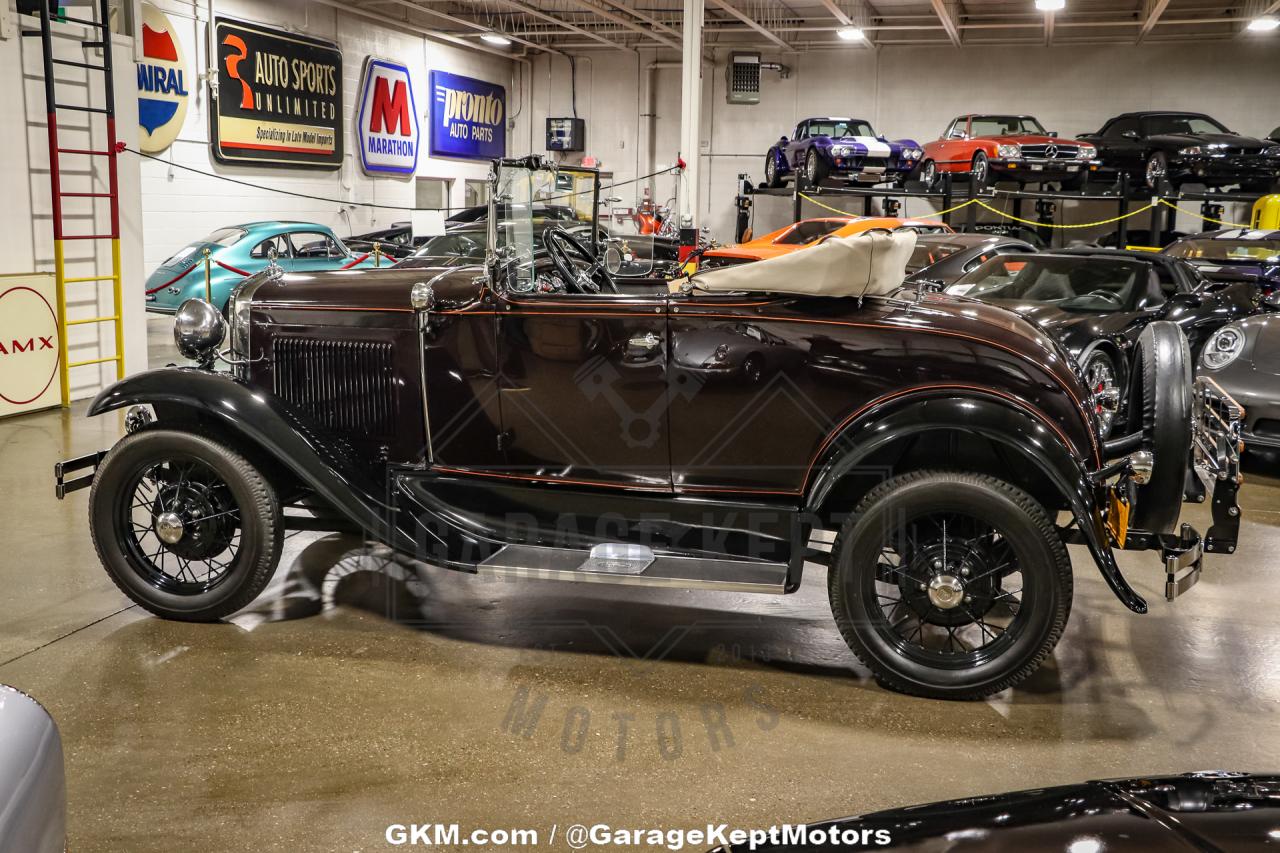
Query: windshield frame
[1226,244]
[1037,129]
[1148,124]
[1134,291]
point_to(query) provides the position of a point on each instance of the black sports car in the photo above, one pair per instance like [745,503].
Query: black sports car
[1210,811]
[1097,302]
[1185,147]
[1240,251]
[395,242]
[943,258]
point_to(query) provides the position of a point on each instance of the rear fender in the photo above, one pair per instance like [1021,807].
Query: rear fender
[269,424]
[1024,434]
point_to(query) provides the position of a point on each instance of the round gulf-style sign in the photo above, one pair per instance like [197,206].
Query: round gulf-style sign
[28,346]
[162,82]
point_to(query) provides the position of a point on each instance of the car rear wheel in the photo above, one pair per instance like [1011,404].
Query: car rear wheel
[1160,402]
[185,526]
[815,168]
[949,585]
[771,177]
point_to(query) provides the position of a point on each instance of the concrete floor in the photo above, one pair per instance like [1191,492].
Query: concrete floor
[353,695]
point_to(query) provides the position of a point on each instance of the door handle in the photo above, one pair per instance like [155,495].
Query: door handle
[646,341]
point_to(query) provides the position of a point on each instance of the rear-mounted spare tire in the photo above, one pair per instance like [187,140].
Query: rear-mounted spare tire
[1160,400]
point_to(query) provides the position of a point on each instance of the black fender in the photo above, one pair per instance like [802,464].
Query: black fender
[271,425]
[1119,357]
[1029,435]
[780,164]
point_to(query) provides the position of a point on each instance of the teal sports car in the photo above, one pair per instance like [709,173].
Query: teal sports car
[239,251]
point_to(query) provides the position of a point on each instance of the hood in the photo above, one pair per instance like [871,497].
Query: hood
[1030,139]
[1187,139]
[1074,329]
[370,289]
[1195,811]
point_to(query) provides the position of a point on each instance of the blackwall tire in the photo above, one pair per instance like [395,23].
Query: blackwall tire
[257,523]
[816,169]
[980,169]
[929,174]
[858,573]
[1161,392]
[771,177]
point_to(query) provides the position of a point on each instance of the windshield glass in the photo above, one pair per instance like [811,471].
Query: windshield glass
[810,230]
[926,254]
[840,127]
[1073,284]
[1161,125]
[1227,251]
[1004,125]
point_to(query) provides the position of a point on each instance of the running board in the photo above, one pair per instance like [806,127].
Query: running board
[635,565]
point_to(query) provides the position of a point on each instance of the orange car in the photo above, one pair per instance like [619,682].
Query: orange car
[810,232]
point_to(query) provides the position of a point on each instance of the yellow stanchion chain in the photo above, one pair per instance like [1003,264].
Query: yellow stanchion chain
[1170,204]
[813,200]
[998,212]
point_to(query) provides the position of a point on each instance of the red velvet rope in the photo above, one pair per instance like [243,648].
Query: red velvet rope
[358,260]
[233,269]
[173,280]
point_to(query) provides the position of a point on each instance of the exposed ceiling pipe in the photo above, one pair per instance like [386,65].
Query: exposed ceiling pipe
[433,35]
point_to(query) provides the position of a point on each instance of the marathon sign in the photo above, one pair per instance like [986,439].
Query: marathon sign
[468,117]
[387,122]
[279,98]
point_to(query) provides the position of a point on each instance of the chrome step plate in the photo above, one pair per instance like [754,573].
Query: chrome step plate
[570,564]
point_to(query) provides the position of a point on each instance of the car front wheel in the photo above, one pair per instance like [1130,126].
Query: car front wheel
[1157,170]
[815,168]
[950,585]
[771,177]
[980,169]
[185,526]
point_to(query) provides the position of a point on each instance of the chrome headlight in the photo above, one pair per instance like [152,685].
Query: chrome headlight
[913,153]
[198,329]
[1273,151]
[1223,348]
[841,150]
[1088,152]
[1191,152]
[1009,150]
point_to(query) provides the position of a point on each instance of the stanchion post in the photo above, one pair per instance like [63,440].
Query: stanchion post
[377,254]
[1153,238]
[866,205]
[971,212]
[795,197]
[208,278]
[1123,233]
[946,197]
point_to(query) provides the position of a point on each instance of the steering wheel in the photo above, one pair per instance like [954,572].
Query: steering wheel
[563,247]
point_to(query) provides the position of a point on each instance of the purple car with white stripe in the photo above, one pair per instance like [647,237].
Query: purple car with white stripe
[843,148]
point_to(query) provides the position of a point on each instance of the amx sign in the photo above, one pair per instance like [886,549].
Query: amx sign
[468,117]
[387,124]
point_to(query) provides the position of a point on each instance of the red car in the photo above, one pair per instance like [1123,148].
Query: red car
[1018,148]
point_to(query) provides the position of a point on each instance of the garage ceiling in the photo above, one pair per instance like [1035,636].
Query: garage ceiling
[772,25]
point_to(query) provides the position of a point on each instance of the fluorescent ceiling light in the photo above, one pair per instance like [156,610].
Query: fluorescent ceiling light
[496,38]
[851,33]
[1051,5]
[1264,24]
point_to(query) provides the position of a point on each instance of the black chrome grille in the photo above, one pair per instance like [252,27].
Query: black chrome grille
[1051,152]
[343,385]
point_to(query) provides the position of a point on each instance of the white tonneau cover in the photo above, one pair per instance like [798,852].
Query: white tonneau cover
[872,263]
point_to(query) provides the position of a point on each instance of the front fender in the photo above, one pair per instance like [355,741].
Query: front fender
[1018,429]
[267,423]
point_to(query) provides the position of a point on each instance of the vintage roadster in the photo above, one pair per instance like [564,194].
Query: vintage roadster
[527,417]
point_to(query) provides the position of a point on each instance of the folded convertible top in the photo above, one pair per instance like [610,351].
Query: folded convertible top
[868,264]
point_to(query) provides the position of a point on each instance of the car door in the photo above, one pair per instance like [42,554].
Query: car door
[583,388]
[797,146]
[954,138]
[316,250]
[1122,145]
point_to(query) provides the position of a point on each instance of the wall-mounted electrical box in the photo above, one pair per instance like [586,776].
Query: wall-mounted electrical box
[566,134]
[743,73]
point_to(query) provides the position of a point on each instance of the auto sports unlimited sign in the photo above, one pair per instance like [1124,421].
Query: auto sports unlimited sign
[279,98]
[162,82]
[468,117]
[387,121]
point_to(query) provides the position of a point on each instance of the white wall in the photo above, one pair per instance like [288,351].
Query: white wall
[26,212]
[906,92]
[179,207]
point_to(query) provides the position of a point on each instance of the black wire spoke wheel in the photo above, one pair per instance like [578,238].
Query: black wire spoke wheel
[949,584]
[949,590]
[185,526]
[181,526]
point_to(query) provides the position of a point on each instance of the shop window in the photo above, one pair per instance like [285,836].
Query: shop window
[475,193]
[432,193]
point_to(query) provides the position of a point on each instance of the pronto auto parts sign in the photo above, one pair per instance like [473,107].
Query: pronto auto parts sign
[387,121]
[28,343]
[162,82]
[468,117]
[279,98]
